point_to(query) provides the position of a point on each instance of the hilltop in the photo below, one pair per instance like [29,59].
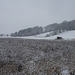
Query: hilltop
[61,27]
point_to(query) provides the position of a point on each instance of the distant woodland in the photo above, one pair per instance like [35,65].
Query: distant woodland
[65,25]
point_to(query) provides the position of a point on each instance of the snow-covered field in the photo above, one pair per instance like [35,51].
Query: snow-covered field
[43,35]
[65,35]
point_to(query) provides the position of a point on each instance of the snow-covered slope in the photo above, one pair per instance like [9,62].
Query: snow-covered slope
[64,35]
[43,35]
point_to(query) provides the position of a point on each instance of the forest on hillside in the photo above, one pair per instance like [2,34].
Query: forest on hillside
[65,25]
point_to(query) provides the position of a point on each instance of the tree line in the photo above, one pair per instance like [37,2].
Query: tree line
[65,25]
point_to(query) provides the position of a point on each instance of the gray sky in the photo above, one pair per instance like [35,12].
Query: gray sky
[21,14]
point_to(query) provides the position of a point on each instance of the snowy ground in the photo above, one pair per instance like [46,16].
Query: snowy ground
[65,35]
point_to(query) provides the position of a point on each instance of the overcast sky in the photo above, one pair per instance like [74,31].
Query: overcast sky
[21,14]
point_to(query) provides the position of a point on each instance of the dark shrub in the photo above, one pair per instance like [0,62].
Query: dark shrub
[59,38]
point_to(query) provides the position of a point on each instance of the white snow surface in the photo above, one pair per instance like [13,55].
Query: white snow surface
[43,35]
[65,35]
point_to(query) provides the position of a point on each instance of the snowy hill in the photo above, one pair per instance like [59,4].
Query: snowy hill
[64,35]
[43,35]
